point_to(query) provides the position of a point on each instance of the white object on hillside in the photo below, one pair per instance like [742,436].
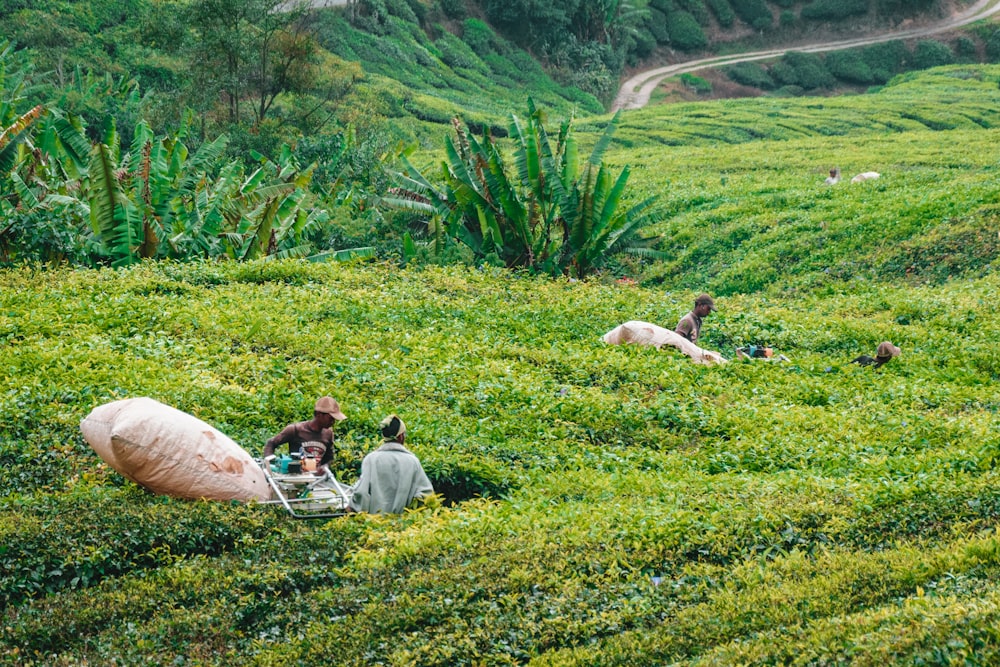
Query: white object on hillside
[171,452]
[644,333]
[865,176]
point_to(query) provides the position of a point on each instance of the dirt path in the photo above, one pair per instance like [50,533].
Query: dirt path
[636,91]
[314,4]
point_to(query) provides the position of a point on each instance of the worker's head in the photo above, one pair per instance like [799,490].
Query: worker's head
[327,411]
[885,352]
[392,428]
[703,305]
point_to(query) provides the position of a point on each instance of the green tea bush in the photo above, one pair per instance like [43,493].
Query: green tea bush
[931,53]
[885,59]
[834,10]
[723,12]
[754,13]
[684,31]
[849,66]
[456,54]
[750,74]
[659,26]
[805,70]
[696,83]
[478,36]
[697,9]
[58,541]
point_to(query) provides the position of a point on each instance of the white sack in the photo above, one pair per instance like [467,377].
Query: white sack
[644,333]
[171,452]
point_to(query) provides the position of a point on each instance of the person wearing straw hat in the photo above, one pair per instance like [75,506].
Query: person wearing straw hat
[690,325]
[884,353]
[391,476]
[313,432]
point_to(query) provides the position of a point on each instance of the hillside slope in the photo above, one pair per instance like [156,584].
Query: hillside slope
[742,182]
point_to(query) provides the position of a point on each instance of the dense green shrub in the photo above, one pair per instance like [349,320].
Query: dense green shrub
[834,10]
[993,47]
[723,12]
[889,6]
[966,48]
[754,13]
[931,53]
[457,54]
[885,60]
[696,83]
[659,26]
[58,541]
[849,66]
[641,43]
[751,74]
[697,9]
[454,9]
[478,36]
[685,33]
[802,69]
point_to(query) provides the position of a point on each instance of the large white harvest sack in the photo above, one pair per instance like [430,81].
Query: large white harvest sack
[171,452]
[644,333]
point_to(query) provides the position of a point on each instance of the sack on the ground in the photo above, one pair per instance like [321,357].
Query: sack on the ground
[171,452]
[644,333]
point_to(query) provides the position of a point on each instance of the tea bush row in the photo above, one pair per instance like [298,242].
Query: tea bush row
[875,64]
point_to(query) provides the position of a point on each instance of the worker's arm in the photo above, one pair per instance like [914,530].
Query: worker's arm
[685,327]
[285,436]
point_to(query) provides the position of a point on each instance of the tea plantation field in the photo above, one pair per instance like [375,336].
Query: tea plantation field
[598,505]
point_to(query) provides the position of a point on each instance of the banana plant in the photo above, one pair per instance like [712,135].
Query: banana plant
[595,223]
[543,214]
[492,208]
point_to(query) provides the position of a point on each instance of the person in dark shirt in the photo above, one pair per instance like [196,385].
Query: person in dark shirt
[885,352]
[319,429]
[690,324]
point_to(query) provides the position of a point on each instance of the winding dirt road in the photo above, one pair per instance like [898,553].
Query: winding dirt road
[636,91]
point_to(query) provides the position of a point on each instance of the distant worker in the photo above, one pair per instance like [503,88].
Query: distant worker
[690,325]
[391,476]
[312,436]
[834,176]
[883,354]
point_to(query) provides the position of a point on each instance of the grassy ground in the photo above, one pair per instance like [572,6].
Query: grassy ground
[603,505]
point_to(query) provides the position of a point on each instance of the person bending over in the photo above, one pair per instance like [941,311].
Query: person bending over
[319,429]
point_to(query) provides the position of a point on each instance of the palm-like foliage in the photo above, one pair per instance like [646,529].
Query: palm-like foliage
[114,202]
[542,213]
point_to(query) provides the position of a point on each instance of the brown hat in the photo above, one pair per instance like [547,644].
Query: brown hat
[704,300]
[392,427]
[886,351]
[330,407]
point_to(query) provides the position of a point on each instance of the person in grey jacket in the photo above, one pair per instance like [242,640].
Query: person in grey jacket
[391,476]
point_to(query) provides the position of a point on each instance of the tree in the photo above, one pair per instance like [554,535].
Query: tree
[250,51]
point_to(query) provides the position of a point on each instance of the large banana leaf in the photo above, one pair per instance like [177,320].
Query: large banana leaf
[116,220]
[14,134]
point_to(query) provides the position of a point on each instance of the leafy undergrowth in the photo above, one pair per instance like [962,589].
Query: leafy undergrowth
[635,507]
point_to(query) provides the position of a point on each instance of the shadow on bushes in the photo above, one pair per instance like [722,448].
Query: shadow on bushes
[459,481]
